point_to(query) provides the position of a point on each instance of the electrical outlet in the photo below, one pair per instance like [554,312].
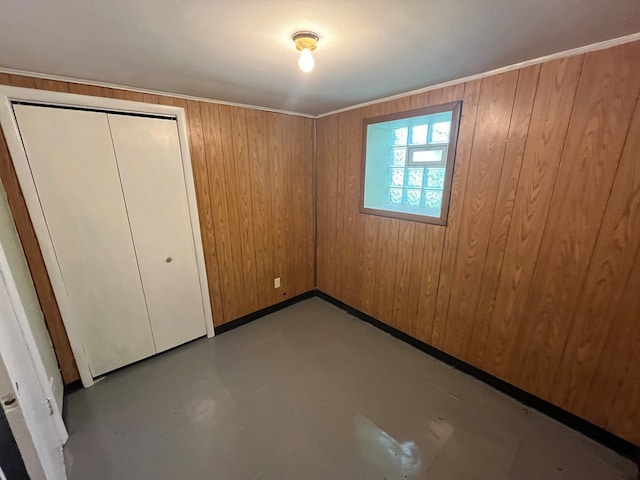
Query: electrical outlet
[276,282]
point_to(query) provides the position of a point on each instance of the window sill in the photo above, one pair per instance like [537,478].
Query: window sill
[403,212]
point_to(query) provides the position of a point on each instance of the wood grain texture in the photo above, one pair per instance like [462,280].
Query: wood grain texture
[278,202]
[327,167]
[386,250]
[53,85]
[150,98]
[603,107]
[253,178]
[128,95]
[452,230]
[605,281]
[239,157]
[350,139]
[368,240]
[533,279]
[325,131]
[547,131]
[613,395]
[220,217]
[93,90]
[509,179]
[22,81]
[497,94]
[413,240]
[259,162]
[431,241]
[205,214]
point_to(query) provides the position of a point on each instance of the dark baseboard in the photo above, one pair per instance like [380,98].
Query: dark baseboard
[608,439]
[225,327]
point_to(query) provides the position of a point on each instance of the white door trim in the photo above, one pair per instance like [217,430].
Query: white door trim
[35,421]
[19,158]
[27,340]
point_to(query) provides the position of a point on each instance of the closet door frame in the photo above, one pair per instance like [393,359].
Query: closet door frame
[9,124]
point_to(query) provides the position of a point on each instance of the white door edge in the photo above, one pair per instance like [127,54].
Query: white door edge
[30,343]
[41,432]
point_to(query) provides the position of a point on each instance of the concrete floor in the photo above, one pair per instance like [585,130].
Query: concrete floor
[312,393]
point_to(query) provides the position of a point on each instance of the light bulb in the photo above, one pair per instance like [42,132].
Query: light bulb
[306,61]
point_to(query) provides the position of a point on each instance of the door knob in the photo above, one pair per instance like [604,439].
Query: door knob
[168,260]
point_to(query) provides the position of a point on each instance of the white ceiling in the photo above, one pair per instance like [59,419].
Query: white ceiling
[241,50]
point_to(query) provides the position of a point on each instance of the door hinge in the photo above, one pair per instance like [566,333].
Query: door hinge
[50,405]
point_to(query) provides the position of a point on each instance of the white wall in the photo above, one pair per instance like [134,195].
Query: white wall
[20,272]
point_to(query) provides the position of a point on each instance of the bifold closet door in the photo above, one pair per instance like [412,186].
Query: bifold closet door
[72,161]
[150,163]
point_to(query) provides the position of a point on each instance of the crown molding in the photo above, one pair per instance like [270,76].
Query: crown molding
[59,78]
[567,53]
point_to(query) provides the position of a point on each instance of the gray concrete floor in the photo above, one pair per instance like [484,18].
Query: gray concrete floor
[312,393]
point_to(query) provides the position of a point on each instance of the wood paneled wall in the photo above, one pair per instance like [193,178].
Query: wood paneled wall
[536,278]
[253,176]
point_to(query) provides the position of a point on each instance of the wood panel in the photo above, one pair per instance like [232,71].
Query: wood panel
[53,85]
[606,279]
[497,94]
[92,90]
[509,180]
[433,237]
[547,130]
[127,95]
[350,139]
[253,176]
[205,213]
[533,279]
[603,107]
[327,153]
[22,81]
[259,161]
[613,395]
[277,200]
[236,148]
[452,231]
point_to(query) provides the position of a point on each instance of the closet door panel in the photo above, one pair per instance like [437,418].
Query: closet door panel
[73,165]
[150,164]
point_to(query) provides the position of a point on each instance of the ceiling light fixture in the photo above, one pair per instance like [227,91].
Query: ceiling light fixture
[306,43]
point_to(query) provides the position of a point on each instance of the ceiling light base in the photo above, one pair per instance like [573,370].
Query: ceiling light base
[306,40]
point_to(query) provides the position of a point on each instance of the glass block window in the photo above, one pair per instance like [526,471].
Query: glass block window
[408,163]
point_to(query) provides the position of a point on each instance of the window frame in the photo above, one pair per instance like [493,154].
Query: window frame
[456,110]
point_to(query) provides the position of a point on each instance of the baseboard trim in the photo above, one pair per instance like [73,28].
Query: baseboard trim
[225,327]
[608,439]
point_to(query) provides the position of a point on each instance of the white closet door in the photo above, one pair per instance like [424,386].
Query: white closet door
[72,161]
[150,163]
